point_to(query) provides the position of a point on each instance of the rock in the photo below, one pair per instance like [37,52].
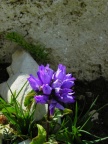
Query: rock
[89,94]
[25,142]
[22,65]
[95,115]
[76,31]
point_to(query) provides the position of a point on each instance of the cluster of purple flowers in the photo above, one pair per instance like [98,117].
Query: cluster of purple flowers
[53,88]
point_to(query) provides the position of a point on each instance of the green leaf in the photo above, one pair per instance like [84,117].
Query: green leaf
[94,141]
[92,115]
[41,137]
[21,89]
[67,111]
[87,113]
[8,110]
[2,100]
[88,133]
[63,136]
[76,115]
[29,99]
[2,103]
[57,114]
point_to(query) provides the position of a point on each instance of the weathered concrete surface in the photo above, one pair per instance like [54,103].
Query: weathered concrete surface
[75,30]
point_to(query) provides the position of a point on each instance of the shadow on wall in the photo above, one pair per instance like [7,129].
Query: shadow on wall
[3,72]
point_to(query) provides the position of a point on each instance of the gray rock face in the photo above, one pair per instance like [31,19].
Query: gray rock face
[22,65]
[75,30]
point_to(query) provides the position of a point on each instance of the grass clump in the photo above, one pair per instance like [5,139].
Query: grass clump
[37,51]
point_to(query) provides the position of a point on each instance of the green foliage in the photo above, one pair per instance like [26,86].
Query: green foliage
[73,129]
[21,120]
[59,114]
[41,137]
[38,51]
[29,99]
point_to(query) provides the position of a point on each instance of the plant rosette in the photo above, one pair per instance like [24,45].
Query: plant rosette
[52,88]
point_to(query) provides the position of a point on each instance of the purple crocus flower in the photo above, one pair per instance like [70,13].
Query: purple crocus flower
[60,73]
[42,82]
[45,74]
[62,85]
[53,88]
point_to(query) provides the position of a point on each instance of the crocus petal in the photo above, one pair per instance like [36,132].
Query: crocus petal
[67,84]
[73,78]
[65,90]
[47,89]
[60,73]
[34,82]
[57,91]
[52,111]
[62,68]
[66,98]
[68,76]
[56,84]
[45,74]
[59,106]
[54,104]
[49,71]
[52,107]
[41,99]
[41,68]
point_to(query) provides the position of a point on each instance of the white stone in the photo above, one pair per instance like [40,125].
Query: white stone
[95,115]
[22,65]
[25,142]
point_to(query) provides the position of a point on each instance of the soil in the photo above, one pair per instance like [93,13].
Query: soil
[86,92]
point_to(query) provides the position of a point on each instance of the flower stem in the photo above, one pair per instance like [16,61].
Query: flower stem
[48,118]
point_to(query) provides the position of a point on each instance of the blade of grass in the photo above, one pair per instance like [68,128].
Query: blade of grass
[92,115]
[76,114]
[89,109]
[89,133]
[95,141]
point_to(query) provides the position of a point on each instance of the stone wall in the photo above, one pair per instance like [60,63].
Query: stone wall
[76,31]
